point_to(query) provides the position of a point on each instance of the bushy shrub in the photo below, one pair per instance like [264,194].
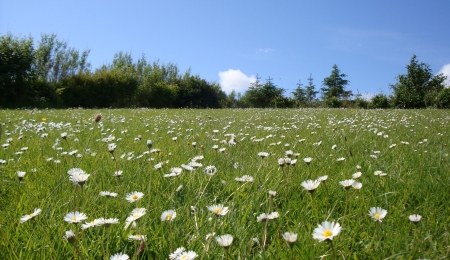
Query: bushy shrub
[380,101]
[333,102]
[361,103]
[443,98]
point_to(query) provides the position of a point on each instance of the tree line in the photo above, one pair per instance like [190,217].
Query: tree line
[51,74]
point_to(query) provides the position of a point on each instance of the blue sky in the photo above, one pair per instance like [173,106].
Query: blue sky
[230,42]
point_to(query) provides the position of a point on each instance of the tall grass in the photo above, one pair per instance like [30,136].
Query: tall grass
[416,182]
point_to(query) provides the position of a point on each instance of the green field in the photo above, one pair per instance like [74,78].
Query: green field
[402,156]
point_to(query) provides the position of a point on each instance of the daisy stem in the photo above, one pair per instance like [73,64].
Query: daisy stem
[210,237]
[77,251]
[201,195]
[333,249]
[68,146]
[18,194]
[74,201]
[267,222]
[346,202]
[235,190]
[150,177]
[270,204]
[314,206]
[374,233]
[226,253]
[326,189]
[107,242]
[265,233]
[115,160]
[170,234]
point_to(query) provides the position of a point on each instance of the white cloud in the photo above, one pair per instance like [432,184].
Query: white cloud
[367,96]
[446,71]
[235,80]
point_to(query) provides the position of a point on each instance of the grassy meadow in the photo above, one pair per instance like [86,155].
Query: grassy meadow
[207,173]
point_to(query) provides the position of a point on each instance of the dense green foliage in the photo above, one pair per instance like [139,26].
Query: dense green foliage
[334,86]
[304,97]
[418,88]
[380,101]
[51,74]
[54,75]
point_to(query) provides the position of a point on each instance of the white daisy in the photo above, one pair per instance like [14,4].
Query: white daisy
[79,178]
[224,240]
[310,185]
[134,196]
[326,231]
[137,237]
[177,253]
[245,178]
[75,217]
[70,236]
[210,170]
[415,218]
[20,175]
[218,209]
[290,237]
[357,185]
[323,178]
[347,183]
[189,255]
[30,216]
[168,215]
[119,256]
[263,154]
[356,175]
[108,194]
[377,213]
[265,216]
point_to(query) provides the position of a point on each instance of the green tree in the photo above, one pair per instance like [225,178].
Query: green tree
[54,60]
[311,91]
[334,85]
[196,92]
[417,88]
[443,98]
[264,94]
[16,71]
[380,101]
[299,94]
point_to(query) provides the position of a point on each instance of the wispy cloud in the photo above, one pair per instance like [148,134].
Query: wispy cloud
[235,80]
[264,50]
[446,71]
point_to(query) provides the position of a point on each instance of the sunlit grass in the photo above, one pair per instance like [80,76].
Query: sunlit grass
[409,148]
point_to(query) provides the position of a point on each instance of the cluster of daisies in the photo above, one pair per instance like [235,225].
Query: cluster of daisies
[325,231]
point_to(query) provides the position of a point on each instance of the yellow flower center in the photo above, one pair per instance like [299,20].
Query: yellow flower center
[377,215]
[169,217]
[327,233]
[134,197]
[184,257]
[217,210]
[74,218]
